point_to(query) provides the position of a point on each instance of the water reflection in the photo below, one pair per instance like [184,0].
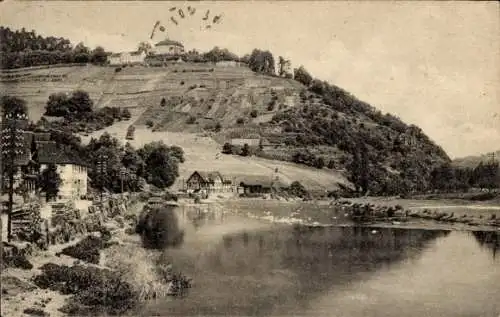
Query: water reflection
[283,269]
[488,239]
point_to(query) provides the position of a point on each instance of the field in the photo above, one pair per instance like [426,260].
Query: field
[144,87]
[201,153]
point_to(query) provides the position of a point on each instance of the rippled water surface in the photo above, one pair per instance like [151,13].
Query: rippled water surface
[271,270]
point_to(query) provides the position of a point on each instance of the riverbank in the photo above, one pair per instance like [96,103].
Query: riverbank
[382,212]
[139,267]
[121,260]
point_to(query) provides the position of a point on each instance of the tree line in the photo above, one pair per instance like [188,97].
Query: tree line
[78,112]
[449,178]
[23,48]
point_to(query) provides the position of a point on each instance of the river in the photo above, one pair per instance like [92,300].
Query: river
[243,267]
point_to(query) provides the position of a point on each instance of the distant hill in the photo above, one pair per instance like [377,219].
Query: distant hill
[473,161]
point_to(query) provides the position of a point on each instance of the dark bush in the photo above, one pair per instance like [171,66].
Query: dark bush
[35,312]
[126,115]
[96,291]
[253,113]
[319,162]
[88,249]
[159,228]
[240,121]
[149,123]
[17,261]
[191,120]
[218,127]
[118,69]
[227,148]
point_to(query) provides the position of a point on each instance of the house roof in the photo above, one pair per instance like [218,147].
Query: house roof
[259,180]
[209,176]
[166,42]
[136,53]
[49,153]
[115,55]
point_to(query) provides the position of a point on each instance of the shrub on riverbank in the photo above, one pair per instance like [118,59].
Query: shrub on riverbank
[159,228]
[88,249]
[96,291]
[13,257]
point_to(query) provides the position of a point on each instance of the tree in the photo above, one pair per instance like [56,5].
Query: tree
[218,127]
[60,105]
[13,106]
[262,62]
[227,148]
[49,182]
[80,48]
[99,56]
[253,113]
[161,164]
[81,53]
[217,54]
[132,160]
[80,102]
[359,169]
[302,76]
[144,47]
[319,162]
[57,105]
[163,102]
[298,190]
[331,164]
[177,152]
[126,115]
[245,151]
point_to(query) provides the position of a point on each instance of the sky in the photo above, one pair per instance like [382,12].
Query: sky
[433,64]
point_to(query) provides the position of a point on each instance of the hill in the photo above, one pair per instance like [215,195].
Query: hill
[315,124]
[473,161]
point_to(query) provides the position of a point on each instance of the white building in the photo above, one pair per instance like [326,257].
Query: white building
[115,59]
[168,47]
[73,172]
[127,58]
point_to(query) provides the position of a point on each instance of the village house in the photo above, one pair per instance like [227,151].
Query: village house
[73,172]
[258,184]
[38,148]
[115,59]
[127,58]
[211,182]
[168,47]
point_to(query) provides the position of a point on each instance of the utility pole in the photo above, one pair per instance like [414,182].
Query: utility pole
[102,166]
[123,171]
[12,148]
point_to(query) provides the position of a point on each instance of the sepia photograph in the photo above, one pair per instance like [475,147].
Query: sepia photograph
[250,158]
